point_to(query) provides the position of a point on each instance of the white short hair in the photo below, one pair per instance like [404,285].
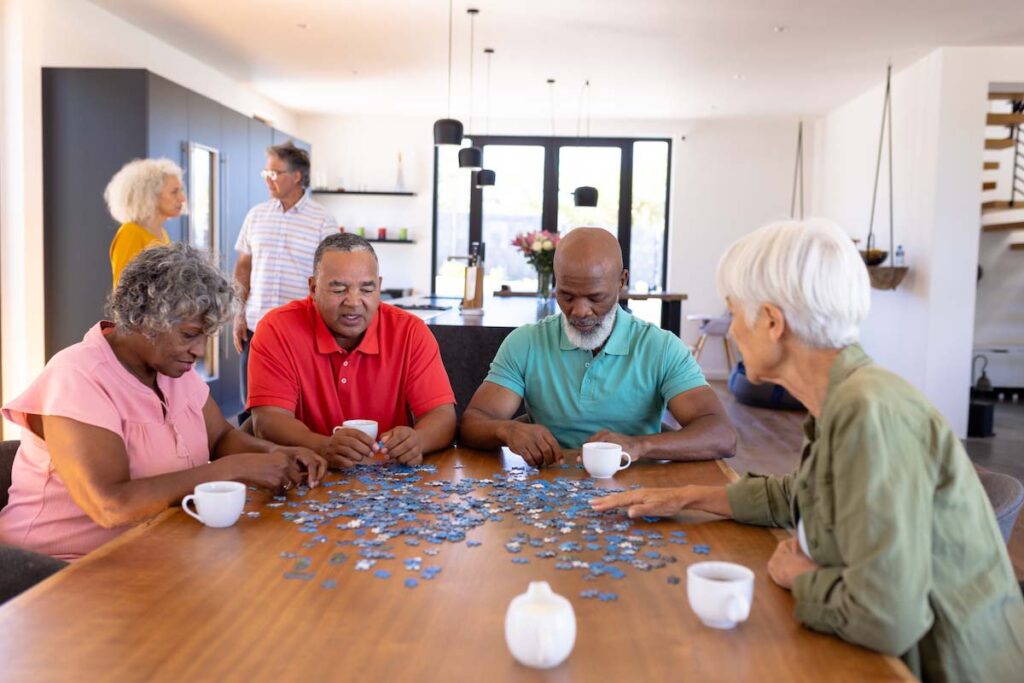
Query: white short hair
[132,194]
[810,269]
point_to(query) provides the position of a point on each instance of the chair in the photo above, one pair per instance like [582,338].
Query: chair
[8,449]
[21,569]
[712,326]
[1007,496]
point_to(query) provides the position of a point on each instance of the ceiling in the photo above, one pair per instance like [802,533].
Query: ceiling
[647,59]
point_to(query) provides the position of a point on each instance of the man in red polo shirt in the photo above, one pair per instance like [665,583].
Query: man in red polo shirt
[341,354]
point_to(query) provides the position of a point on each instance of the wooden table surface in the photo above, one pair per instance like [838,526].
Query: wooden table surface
[172,600]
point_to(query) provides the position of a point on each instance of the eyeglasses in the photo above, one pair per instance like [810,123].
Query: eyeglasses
[271,174]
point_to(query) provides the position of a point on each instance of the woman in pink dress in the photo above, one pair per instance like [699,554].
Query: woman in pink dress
[120,426]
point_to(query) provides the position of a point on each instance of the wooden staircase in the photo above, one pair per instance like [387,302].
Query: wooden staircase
[1014,140]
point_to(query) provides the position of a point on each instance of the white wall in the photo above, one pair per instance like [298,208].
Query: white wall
[729,177]
[924,330]
[70,33]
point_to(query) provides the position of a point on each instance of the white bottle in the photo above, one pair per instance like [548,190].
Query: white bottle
[540,627]
[897,259]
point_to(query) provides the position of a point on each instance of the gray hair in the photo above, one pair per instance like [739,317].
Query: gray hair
[296,158]
[167,285]
[134,191]
[341,241]
[809,269]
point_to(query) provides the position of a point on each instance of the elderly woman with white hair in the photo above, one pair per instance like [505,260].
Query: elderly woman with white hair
[119,426]
[897,546]
[142,196]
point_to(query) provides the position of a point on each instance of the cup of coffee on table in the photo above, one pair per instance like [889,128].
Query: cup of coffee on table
[218,503]
[720,593]
[602,459]
[368,427]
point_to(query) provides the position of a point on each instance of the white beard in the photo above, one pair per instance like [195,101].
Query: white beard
[596,337]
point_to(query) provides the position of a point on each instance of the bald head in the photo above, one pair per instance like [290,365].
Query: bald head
[588,252]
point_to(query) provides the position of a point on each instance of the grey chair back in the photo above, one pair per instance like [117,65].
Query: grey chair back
[8,449]
[1007,496]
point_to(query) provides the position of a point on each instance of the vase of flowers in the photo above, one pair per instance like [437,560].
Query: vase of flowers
[539,249]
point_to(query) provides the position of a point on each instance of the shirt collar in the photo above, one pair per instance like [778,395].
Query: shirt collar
[298,207]
[849,360]
[326,343]
[617,343]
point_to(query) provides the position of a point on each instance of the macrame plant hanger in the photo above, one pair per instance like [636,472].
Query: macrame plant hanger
[798,174]
[890,276]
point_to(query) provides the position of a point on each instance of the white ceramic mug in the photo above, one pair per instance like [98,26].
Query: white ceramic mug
[540,627]
[720,592]
[218,503]
[603,459]
[368,427]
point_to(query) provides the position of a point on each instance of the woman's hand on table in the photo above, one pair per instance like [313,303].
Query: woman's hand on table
[789,562]
[666,502]
[281,468]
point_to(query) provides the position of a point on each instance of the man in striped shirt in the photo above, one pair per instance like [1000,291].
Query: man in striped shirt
[276,245]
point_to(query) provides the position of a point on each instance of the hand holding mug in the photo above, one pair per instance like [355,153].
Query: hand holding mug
[348,446]
[402,444]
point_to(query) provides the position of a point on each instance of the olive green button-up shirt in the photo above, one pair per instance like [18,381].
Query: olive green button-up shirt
[911,561]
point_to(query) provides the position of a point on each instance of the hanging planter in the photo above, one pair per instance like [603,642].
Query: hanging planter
[887,276]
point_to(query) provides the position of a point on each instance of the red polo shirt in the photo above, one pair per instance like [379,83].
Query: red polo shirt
[295,364]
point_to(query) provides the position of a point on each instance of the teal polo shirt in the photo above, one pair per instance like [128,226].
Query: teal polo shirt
[575,393]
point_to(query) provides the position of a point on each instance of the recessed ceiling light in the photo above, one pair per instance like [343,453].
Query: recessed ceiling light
[739,77]
[303,26]
[779,29]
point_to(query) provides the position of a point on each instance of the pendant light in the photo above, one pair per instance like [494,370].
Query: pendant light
[486,177]
[798,174]
[448,131]
[584,195]
[471,158]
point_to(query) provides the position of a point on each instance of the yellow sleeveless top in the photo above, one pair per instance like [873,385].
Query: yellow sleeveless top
[131,238]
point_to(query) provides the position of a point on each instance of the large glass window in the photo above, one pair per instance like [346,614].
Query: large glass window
[535,178]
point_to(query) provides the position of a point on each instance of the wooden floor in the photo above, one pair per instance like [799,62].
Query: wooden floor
[769,443]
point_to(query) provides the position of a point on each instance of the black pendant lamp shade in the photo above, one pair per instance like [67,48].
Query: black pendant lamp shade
[585,195]
[447,132]
[484,178]
[471,158]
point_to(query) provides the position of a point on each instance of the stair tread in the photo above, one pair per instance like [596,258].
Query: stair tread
[1006,95]
[1005,120]
[1000,143]
[990,166]
[1002,205]
[1003,227]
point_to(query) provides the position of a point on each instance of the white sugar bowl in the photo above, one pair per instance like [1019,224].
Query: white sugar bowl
[540,627]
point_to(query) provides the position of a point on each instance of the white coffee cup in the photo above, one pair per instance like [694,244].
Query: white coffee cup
[218,503]
[603,459]
[368,427]
[720,592]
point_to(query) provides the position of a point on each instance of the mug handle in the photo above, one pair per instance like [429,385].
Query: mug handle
[629,461]
[737,608]
[184,506]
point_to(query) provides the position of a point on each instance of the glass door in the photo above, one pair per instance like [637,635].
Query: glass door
[599,167]
[204,229]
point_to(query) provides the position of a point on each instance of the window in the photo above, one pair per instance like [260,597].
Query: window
[535,178]
[204,227]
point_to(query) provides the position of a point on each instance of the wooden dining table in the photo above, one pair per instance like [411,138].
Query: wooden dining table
[172,600]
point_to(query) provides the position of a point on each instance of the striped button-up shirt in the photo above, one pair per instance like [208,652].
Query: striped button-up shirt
[282,245]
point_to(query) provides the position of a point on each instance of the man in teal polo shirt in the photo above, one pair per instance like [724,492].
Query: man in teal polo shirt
[595,373]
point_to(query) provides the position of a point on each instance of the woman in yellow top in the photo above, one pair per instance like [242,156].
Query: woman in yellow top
[143,195]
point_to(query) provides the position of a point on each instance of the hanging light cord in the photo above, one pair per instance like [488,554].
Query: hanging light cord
[588,107]
[450,10]
[551,92]
[584,92]
[798,173]
[472,33]
[487,125]
[886,116]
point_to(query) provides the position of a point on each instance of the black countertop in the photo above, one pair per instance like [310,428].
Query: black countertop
[502,312]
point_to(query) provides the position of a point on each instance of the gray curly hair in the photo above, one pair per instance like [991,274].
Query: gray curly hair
[167,285]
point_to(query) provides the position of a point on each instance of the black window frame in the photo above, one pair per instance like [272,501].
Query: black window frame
[549,215]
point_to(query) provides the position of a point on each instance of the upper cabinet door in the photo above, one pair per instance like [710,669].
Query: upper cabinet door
[204,121]
[261,136]
[168,131]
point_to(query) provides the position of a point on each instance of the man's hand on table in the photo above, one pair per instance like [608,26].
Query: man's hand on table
[789,562]
[347,447]
[401,444]
[534,443]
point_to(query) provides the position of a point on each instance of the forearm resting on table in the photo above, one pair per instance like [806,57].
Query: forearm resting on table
[480,430]
[706,438]
[436,428]
[281,427]
[711,499]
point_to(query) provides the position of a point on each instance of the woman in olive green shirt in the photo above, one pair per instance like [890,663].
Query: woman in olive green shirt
[897,546]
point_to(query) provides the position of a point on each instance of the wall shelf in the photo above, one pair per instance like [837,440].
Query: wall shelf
[379,193]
